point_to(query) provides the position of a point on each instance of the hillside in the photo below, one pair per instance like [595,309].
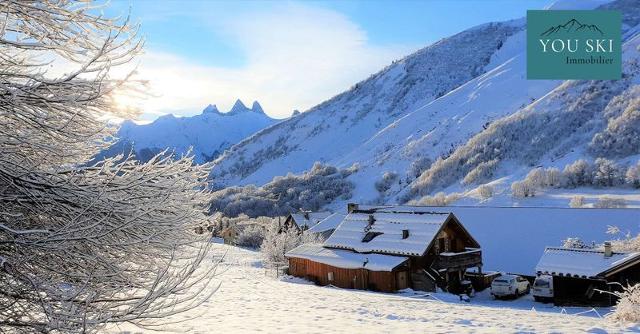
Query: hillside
[457,115]
[207,134]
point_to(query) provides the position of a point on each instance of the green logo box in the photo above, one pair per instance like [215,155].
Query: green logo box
[574,44]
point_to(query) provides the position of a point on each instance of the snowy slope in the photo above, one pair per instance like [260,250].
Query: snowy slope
[208,134]
[338,127]
[552,131]
[428,106]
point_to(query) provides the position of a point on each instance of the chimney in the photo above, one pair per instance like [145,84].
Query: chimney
[370,223]
[608,252]
[351,207]
[405,234]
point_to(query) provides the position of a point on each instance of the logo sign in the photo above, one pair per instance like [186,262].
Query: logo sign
[574,44]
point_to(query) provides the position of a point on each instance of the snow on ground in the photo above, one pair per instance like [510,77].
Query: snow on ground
[250,299]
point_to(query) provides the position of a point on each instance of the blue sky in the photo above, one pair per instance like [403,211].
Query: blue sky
[286,54]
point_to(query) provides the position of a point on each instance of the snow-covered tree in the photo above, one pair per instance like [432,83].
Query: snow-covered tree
[522,189]
[632,176]
[439,199]
[279,240]
[607,174]
[284,194]
[578,173]
[576,243]
[84,244]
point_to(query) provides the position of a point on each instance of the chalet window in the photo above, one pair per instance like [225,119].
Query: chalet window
[330,276]
[405,234]
[370,235]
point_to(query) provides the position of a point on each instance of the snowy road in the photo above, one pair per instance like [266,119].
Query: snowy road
[249,301]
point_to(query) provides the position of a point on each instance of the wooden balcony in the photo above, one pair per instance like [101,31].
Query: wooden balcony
[472,257]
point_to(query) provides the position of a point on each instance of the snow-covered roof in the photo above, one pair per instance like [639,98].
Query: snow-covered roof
[309,219]
[581,262]
[329,223]
[346,259]
[386,232]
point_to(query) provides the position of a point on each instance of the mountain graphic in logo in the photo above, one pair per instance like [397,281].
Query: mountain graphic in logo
[571,26]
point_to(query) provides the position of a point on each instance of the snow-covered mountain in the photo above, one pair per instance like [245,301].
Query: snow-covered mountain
[450,103]
[207,134]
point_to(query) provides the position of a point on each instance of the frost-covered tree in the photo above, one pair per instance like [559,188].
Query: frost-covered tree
[607,174]
[85,244]
[621,137]
[483,172]
[578,174]
[279,240]
[575,243]
[522,189]
[310,190]
[439,199]
[632,176]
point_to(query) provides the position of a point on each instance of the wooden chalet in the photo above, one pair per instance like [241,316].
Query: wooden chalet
[579,275]
[304,220]
[390,248]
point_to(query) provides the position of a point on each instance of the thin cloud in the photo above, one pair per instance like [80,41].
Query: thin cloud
[296,56]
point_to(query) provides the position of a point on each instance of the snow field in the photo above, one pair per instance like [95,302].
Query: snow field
[251,300]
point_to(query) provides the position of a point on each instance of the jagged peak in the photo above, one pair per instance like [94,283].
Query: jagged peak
[238,107]
[296,112]
[211,109]
[257,108]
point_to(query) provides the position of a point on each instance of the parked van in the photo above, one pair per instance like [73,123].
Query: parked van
[543,288]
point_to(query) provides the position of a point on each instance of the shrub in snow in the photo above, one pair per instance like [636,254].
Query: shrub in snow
[250,236]
[607,174]
[522,189]
[419,165]
[632,176]
[386,182]
[310,190]
[608,202]
[577,201]
[485,191]
[439,199]
[627,310]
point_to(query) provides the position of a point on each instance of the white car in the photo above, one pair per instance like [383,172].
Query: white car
[543,288]
[509,286]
